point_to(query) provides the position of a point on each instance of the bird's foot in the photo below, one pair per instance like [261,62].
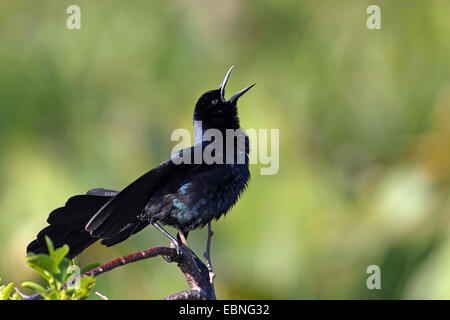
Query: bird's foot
[181,250]
[175,258]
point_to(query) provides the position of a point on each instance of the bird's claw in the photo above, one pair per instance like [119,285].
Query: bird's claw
[176,246]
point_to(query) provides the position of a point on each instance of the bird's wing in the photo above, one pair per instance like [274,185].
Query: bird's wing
[129,203]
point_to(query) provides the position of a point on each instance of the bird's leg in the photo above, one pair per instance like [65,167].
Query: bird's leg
[172,240]
[164,232]
[181,240]
[181,237]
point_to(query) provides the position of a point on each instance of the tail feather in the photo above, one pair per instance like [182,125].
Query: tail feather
[67,225]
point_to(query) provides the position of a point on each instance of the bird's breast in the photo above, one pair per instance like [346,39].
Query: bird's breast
[203,197]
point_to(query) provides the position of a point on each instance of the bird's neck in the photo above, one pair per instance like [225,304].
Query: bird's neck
[239,142]
[200,128]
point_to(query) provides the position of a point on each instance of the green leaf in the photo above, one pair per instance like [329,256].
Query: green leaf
[41,262]
[45,274]
[55,267]
[16,296]
[89,267]
[34,286]
[86,285]
[50,246]
[60,254]
[63,275]
[7,291]
[52,295]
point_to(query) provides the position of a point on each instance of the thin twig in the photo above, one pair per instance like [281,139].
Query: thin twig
[141,255]
[185,295]
[101,295]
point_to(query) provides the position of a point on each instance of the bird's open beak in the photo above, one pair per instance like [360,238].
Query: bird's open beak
[240,93]
[236,95]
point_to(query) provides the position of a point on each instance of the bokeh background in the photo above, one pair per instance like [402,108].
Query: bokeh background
[363,115]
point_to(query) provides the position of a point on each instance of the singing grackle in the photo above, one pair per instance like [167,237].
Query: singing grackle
[185,195]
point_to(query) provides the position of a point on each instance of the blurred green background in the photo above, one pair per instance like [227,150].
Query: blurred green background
[363,115]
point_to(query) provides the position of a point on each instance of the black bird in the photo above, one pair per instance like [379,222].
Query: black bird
[186,196]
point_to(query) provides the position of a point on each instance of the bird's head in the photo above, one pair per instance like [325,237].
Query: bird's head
[214,111]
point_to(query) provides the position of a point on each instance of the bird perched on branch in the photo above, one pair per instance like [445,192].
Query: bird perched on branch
[186,195]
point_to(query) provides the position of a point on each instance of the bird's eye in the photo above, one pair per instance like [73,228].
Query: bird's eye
[214,102]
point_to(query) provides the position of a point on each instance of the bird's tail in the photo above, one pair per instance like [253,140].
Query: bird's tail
[67,224]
